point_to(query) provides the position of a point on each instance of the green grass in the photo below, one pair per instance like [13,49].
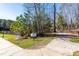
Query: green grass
[76,39]
[26,43]
[76,53]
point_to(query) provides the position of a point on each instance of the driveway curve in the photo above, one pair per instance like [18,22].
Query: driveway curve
[57,47]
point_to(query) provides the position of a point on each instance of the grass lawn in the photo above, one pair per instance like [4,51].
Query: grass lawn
[76,39]
[76,53]
[26,43]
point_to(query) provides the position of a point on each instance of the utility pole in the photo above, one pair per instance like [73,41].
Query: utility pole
[54,17]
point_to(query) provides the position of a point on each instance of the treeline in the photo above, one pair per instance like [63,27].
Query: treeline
[44,18]
[35,19]
[68,17]
[5,24]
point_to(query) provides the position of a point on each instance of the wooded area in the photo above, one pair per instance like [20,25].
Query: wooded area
[44,18]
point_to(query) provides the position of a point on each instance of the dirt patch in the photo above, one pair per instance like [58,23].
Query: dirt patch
[40,45]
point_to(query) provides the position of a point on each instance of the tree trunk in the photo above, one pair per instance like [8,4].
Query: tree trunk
[54,17]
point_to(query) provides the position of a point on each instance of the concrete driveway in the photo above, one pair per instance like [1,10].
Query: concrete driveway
[57,47]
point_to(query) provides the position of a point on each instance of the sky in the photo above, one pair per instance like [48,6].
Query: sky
[12,10]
